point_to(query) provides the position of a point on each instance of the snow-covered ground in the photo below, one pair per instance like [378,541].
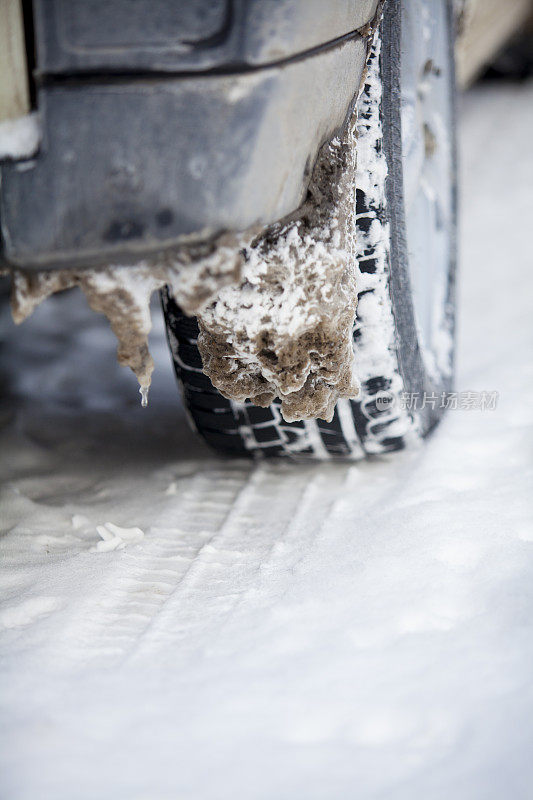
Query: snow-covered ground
[281,631]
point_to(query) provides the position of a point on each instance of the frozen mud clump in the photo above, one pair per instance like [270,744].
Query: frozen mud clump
[122,293]
[286,329]
[275,309]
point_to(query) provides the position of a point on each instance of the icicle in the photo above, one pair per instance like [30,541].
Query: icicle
[143,391]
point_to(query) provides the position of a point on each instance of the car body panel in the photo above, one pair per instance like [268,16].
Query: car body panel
[144,148]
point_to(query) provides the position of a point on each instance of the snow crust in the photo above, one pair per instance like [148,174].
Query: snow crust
[122,293]
[286,329]
[282,327]
[374,324]
[317,632]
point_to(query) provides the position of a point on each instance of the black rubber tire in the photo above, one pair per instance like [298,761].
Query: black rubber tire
[378,421]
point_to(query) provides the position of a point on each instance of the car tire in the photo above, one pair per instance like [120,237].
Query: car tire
[406,233]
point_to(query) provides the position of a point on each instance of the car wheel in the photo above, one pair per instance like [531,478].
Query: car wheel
[406,248]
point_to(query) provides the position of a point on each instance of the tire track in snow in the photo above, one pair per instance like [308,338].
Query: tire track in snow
[140,580]
[246,569]
[276,511]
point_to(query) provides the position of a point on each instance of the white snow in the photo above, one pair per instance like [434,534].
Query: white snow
[280,631]
[115,538]
[20,137]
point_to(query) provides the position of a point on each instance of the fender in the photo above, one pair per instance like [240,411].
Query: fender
[174,122]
